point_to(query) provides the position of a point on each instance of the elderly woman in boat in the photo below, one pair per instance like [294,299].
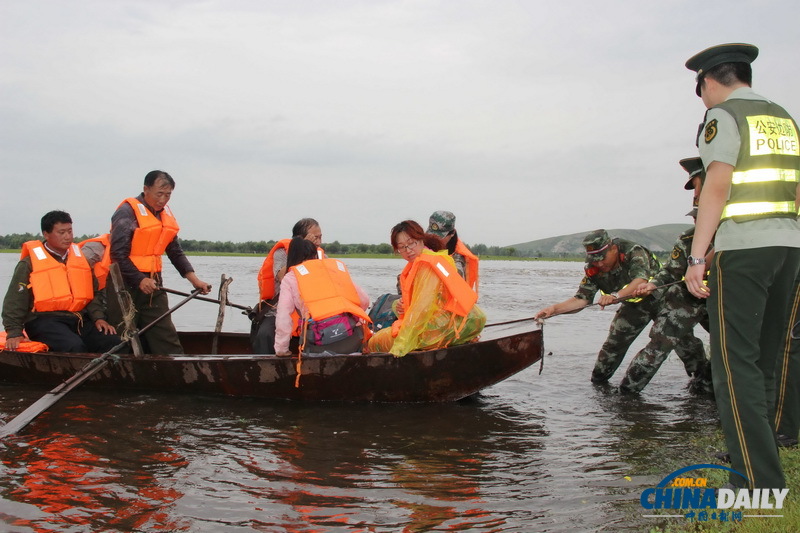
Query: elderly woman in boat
[437,307]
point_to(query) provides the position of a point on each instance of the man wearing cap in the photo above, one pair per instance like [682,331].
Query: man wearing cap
[751,153]
[678,314]
[616,268]
[443,225]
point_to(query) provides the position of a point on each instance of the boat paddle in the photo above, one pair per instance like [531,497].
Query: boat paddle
[245,309]
[90,369]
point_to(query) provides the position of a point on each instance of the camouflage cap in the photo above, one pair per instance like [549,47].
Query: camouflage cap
[694,166]
[441,223]
[692,213]
[709,58]
[597,244]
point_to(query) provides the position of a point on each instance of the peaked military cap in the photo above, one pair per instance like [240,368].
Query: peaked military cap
[441,223]
[694,166]
[717,55]
[597,244]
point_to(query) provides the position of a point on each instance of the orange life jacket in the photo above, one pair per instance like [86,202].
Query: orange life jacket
[472,264]
[58,286]
[101,267]
[266,277]
[327,289]
[26,345]
[152,236]
[459,297]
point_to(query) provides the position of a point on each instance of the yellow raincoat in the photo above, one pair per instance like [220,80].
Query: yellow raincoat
[438,312]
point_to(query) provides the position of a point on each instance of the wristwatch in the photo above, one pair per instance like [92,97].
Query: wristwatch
[696,260]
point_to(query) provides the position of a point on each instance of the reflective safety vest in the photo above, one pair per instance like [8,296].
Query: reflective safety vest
[471,271]
[151,238]
[58,286]
[101,267]
[266,277]
[768,167]
[327,289]
[459,297]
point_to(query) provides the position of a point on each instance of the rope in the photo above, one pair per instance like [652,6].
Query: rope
[128,317]
[540,321]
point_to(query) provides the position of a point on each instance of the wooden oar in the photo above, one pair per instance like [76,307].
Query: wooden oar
[90,369]
[212,300]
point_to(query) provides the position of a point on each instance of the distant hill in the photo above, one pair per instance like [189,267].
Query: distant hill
[655,238]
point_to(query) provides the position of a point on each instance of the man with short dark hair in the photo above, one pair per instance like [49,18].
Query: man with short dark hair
[751,153]
[54,296]
[142,229]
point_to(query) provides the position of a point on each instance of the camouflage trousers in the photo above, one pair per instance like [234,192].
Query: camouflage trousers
[629,321]
[673,329]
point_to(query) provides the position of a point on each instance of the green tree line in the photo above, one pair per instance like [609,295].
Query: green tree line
[14,242]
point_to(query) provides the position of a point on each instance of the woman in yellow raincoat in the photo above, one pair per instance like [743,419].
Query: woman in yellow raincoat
[437,307]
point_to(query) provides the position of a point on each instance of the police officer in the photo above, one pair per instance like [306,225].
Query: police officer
[751,153]
[679,313]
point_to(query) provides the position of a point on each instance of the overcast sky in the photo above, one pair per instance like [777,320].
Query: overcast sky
[527,119]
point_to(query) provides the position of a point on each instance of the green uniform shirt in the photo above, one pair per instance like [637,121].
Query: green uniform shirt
[636,262]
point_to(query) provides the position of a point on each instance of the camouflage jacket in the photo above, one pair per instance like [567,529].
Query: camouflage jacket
[635,262]
[675,268]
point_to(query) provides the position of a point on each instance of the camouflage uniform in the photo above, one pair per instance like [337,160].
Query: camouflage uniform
[631,317]
[673,327]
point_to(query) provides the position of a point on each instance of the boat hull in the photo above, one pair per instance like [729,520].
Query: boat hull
[441,375]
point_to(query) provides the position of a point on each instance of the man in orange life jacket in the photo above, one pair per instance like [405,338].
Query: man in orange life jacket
[443,225]
[142,229]
[54,295]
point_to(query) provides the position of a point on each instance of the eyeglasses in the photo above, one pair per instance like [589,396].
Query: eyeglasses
[410,245]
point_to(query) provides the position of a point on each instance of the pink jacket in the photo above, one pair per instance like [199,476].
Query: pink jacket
[288,301]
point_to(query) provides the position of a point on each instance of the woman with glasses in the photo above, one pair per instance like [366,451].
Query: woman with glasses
[437,307]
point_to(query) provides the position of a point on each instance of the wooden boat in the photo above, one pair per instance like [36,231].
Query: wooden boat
[442,375]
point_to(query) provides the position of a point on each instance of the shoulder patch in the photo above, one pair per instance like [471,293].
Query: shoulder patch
[711,131]
[676,253]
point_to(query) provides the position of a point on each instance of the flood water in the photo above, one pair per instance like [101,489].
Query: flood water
[537,452]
